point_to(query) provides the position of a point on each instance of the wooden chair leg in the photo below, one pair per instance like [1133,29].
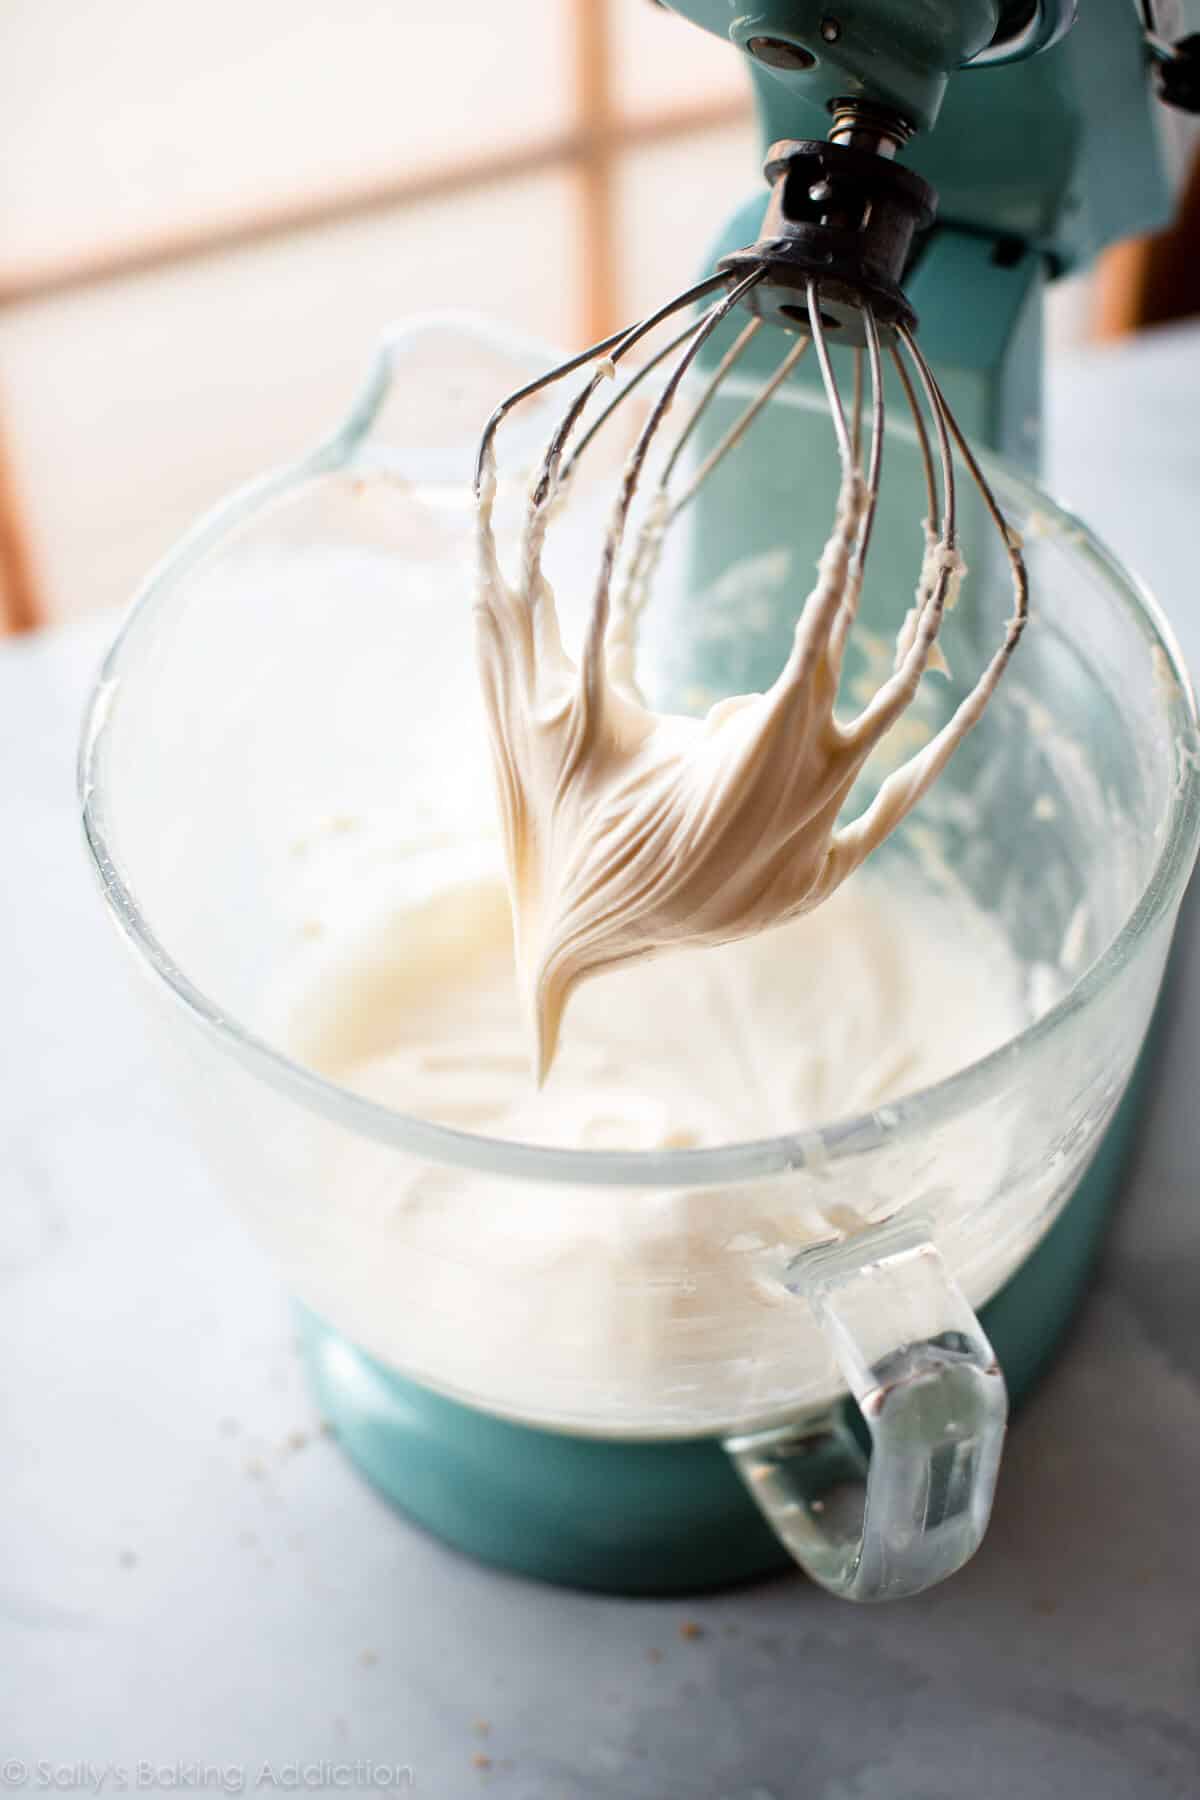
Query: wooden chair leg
[20,600]
[1153,280]
[594,111]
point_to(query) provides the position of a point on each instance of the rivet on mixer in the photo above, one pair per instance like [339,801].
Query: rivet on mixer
[671,1014]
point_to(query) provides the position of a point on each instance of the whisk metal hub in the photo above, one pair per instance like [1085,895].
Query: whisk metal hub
[846,217]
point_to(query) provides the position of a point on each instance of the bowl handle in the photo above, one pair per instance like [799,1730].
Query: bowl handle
[932,1397]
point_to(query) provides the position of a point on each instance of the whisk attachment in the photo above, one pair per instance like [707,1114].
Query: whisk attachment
[627,831]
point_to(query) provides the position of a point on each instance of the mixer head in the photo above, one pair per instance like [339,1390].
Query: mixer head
[888,54]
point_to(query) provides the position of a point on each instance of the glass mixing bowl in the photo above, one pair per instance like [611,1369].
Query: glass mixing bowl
[295,688]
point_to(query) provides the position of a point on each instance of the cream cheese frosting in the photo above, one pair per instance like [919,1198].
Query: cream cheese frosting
[630,1308]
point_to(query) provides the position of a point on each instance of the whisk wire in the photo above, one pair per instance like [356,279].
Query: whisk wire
[617,343]
[622,394]
[740,426]
[932,505]
[832,391]
[547,481]
[875,464]
[856,405]
[663,511]
[848,611]
[1008,536]
[729,361]
[594,641]
[938,409]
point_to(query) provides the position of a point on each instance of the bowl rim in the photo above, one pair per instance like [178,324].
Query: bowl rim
[742,1160]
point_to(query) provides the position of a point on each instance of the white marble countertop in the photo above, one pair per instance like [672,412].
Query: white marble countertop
[191,1574]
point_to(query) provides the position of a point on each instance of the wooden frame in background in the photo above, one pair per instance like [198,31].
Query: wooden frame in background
[597,135]
[1141,282]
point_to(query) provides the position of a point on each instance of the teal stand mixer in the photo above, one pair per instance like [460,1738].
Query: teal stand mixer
[937,163]
[950,160]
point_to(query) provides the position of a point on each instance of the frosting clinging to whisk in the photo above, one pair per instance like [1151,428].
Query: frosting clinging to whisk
[628,832]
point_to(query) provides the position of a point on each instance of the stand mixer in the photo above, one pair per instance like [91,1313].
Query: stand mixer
[1039,141]
[971,153]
